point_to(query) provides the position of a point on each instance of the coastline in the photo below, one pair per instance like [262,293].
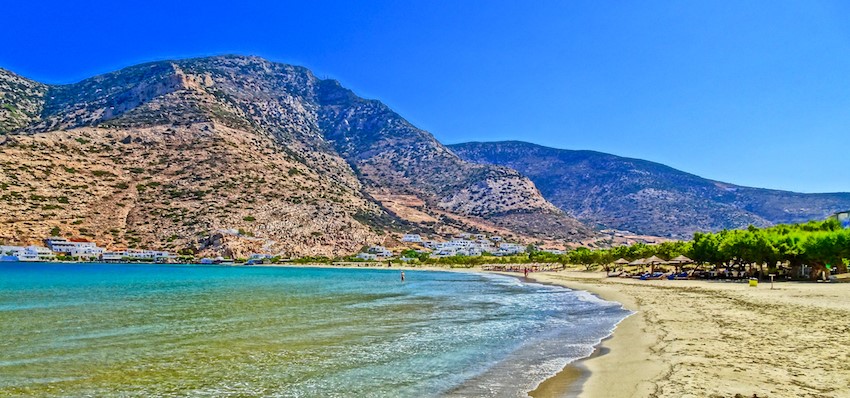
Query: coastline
[694,338]
[585,377]
[570,381]
[624,357]
[718,339]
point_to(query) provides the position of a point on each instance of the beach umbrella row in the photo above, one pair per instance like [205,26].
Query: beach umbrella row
[655,260]
[681,260]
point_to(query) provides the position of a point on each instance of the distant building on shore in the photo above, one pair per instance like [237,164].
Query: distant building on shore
[137,255]
[380,251]
[367,256]
[74,247]
[511,248]
[28,253]
[843,217]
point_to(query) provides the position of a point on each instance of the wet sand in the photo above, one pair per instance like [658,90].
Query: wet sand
[569,381]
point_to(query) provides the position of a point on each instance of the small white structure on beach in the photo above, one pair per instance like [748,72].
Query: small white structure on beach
[842,217]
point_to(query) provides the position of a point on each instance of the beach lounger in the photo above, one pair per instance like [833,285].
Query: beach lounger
[654,276]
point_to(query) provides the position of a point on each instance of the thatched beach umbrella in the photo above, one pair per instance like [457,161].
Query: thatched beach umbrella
[620,263]
[638,263]
[681,260]
[654,260]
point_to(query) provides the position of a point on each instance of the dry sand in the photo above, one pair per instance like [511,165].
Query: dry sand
[719,339]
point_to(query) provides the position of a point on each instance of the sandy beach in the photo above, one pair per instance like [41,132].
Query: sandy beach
[718,339]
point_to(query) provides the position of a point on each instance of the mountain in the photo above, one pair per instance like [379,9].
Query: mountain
[646,197]
[231,155]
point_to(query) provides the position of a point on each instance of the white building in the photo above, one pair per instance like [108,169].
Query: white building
[148,254]
[462,247]
[29,253]
[511,248]
[413,238]
[380,251]
[141,255]
[11,253]
[366,256]
[113,255]
[451,247]
[430,244]
[74,247]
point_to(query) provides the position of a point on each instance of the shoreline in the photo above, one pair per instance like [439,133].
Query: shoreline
[623,356]
[694,338]
[569,381]
[572,380]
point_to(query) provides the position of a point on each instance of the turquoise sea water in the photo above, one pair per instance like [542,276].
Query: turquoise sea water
[150,330]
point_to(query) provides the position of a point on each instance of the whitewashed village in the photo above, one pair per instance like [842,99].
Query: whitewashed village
[76,249]
[463,244]
[58,248]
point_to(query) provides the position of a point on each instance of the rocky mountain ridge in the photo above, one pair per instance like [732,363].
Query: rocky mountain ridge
[646,197]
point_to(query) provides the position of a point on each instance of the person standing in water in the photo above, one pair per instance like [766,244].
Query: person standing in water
[402,276]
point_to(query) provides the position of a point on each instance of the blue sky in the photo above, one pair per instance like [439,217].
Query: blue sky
[755,93]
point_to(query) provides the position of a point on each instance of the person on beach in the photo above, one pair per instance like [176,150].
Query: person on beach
[526,272]
[402,276]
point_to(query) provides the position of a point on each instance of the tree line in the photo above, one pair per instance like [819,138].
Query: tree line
[821,245]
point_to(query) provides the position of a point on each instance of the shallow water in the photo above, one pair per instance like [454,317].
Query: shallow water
[150,330]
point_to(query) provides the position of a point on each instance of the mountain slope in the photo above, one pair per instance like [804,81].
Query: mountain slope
[391,155]
[21,101]
[647,197]
[237,154]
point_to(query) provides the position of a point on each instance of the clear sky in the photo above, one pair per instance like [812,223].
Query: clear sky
[750,92]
